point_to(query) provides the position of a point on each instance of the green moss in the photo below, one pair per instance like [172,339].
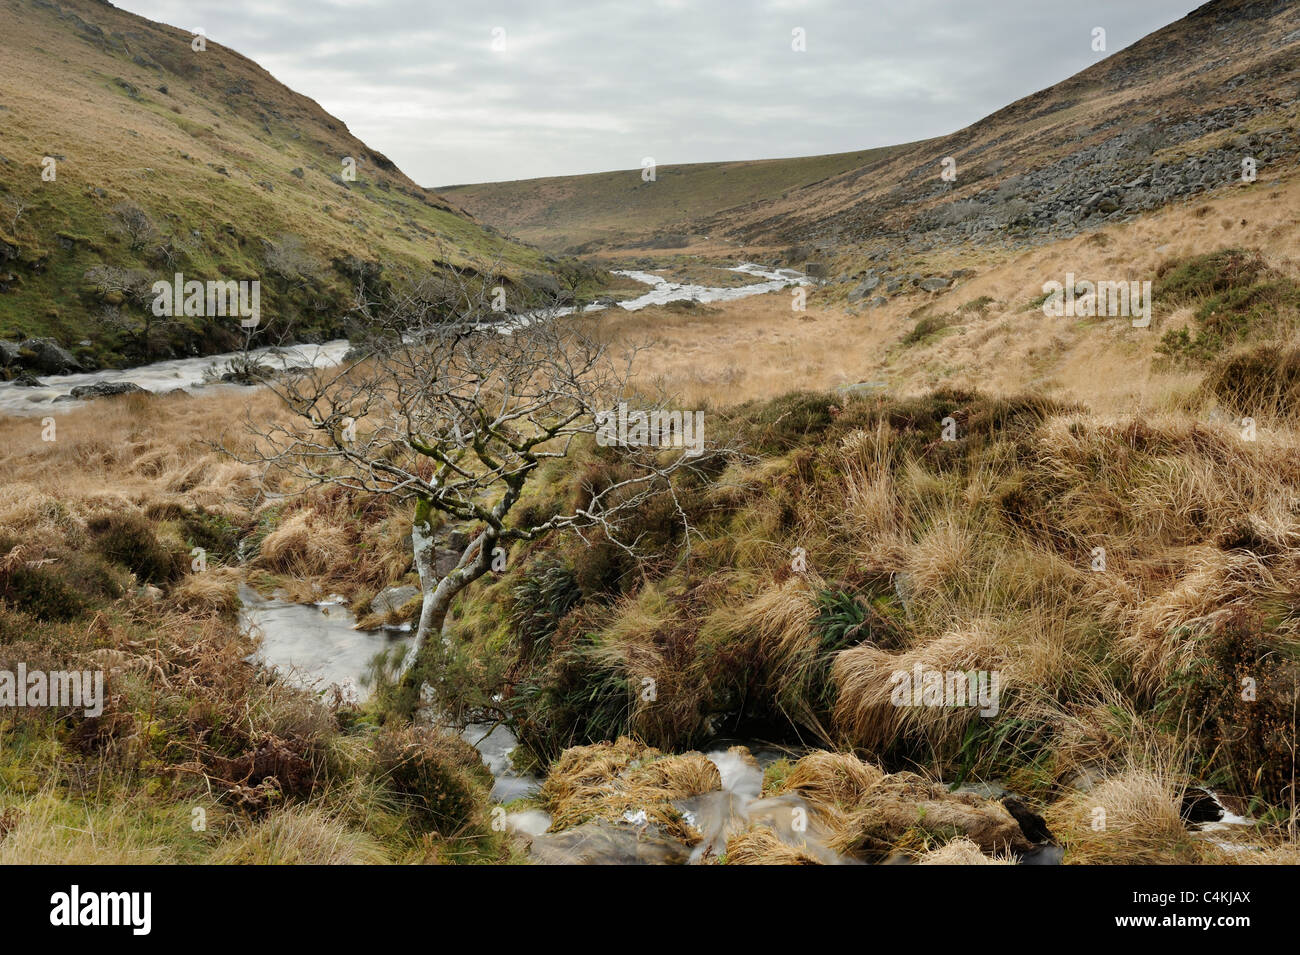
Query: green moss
[1236,296]
[130,540]
[927,328]
[443,776]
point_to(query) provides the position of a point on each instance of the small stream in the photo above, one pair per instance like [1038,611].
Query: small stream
[317,645]
[54,391]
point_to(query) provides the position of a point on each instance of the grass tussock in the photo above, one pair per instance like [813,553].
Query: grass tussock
[961,852]
[612,780]
[299,836]
[1085,560]
[871,814]
[760,845]
[1131,817]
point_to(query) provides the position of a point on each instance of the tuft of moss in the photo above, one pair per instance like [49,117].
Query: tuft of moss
[1236,296]
[129,540]
[442,776]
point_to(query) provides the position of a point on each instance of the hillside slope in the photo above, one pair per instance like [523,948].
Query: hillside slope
[169,159]
[1167,117]
[620,209]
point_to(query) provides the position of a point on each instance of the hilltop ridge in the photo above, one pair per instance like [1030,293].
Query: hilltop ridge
[167,154]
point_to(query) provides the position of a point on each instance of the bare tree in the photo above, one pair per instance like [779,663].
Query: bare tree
[127,308]
[130,221]
[15,209]
[289,258]
[169,251]
[454,413]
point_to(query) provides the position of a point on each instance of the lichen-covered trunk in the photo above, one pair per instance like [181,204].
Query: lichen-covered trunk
[438,594]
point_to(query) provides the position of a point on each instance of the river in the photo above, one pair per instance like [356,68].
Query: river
[54,392]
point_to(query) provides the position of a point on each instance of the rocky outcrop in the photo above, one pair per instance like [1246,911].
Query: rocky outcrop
[45,356]
[106,389]
[392,599]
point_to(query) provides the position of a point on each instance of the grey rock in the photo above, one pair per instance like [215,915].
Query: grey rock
[391,599]
[599,842]
[49,357]
[866,285]
[106,389]
[934,284]
[445,561]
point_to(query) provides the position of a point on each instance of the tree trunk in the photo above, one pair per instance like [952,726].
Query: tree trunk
[438,594]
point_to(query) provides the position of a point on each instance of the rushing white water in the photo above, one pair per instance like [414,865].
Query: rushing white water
[159,377]
[664,291]
[185,373]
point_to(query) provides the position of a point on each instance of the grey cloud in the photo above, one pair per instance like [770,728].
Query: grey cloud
[590,85]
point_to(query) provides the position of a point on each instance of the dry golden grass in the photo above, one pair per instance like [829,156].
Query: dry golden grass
[760,845]
[1276,855]
[215,591]
[961,852]
[1131,817]
[832,784]
[608,780]
[135,451]
[300,836]
[758,347]
[305,546]
[864,676]
[872,814]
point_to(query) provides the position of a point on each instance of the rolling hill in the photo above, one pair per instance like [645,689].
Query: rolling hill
[1166,118]
[162,158]
[613,209]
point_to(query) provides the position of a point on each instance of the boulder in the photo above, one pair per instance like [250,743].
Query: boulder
[106,389]
[866,285]
[600,842]
[392,599]
[48,357]
[935,284]
[445,561]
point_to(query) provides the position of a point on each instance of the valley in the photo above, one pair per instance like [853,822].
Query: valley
[379,585]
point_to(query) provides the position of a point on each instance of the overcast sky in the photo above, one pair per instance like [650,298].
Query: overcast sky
[592,85]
